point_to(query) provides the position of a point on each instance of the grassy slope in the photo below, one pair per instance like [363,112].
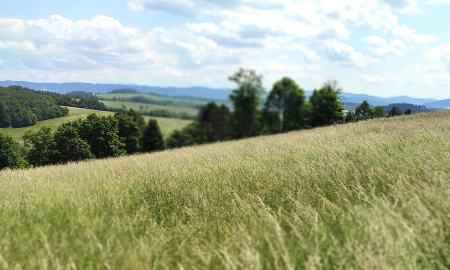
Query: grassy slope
[167,125]
[368,195]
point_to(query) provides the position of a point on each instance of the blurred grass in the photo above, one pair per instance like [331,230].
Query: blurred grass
[167,125]
[366,195]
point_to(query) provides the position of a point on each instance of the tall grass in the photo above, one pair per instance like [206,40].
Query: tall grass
[368,195]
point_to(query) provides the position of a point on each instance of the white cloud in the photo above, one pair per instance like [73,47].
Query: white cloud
[418,38]
[442,53]
[379,48]
[344,54]
[372,78]
[309,55]
[10,28]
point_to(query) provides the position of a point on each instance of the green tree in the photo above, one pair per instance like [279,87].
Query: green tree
[5,118]
[395,111]
[102,135]
[326,106]
[408,112]
[152,139]
[40,145]
[246,99]
[68,145]
[287,99]
[379,112]
[180,138]
[10,154]
[363,111]
[129,132]
[350,117]
[213,122]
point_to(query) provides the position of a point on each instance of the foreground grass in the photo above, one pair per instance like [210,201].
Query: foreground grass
[167,125]
[369,195]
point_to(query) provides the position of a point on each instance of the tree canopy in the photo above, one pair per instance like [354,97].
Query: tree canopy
[246,99]
[364,112]
[10,154]
[152,139]
[326,107]
[22,107]
[287,102]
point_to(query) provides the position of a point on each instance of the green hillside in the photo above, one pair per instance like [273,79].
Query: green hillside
[145,107]
[366,195]
[167,125]
[154,99]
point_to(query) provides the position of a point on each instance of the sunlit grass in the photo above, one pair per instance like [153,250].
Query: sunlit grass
[167,125]
[368,195]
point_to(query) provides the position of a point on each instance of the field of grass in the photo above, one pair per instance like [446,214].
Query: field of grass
[167,125]
[145,107]
[174,101]
[366,195]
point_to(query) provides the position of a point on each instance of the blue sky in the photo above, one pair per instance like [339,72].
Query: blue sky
[377,47]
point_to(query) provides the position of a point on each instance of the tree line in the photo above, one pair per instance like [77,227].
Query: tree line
[285,109]
[91,138]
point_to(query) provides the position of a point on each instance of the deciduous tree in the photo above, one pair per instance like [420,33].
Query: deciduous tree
[363,111]
[287,99]
[152,139]
[395,111]
[246,99]
[68,145]
[379,112]
[326,106]
[101,133]
[10,154]
[40,145]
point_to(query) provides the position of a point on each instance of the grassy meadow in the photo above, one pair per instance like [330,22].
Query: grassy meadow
[145,107]
[174,101]
[167,125]
[366,195]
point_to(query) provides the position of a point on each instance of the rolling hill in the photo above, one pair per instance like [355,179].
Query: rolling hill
[196,92]
[439,104]
[366,195]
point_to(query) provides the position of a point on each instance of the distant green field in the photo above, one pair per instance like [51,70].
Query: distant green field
[145,107]
[167,125]
[170,101]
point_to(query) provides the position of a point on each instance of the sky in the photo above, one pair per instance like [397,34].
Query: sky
[377,47]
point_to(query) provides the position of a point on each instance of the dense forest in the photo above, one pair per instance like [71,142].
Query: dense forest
[21,107]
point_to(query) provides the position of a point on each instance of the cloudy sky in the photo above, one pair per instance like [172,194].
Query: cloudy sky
[376,47]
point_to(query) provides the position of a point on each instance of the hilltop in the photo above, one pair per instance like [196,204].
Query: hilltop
[372,194]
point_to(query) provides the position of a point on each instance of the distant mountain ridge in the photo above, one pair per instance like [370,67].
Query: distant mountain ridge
[211,93]
[439,104]
[196,91]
